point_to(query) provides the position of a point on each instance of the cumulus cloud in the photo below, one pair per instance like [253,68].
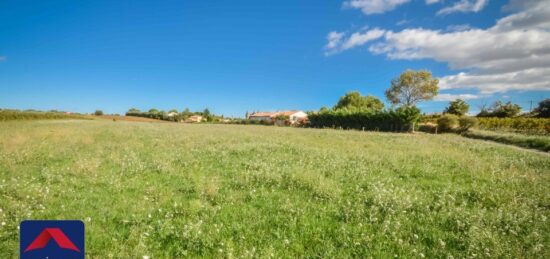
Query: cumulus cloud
[452,97]
[514,54]
[338,42]
[369,7]
[464,6]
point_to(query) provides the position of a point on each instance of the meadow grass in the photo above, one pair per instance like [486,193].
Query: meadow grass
[175,190]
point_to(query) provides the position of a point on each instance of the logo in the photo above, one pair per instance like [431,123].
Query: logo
[51,239]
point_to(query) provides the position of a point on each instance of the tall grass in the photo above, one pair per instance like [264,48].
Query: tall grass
[214,191]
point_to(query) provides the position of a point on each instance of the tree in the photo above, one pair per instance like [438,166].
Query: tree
[501,110]
[133,110]
[412,87]
[543,110]
[206,114]
[98,112]
[457,107]
[173,110]
[186,113]
[153,110]
[355,100]
[506,110]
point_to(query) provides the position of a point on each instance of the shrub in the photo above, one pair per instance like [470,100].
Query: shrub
[465,123]
[447,122]
[98,112]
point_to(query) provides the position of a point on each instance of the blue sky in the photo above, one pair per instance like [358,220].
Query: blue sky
[238,56]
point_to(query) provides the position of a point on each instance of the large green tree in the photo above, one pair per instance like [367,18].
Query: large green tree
[412,87]
[354,100]
[457,107]
[543,110]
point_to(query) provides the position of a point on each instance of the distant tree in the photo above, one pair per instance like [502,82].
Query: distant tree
[173,110]
[412,87]
[324,109]
[246,115]
[457,107]
[501,110]
[186,113]
[153,110]
[98,112]
[354,100]
[133,110]
[543,110]
[206,114]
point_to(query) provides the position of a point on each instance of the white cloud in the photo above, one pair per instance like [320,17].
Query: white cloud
[524,80]
[334,39]
[464,6]
[337,43]
[429,2]
[514,54]
[459,27]
[369,7]
[452,97]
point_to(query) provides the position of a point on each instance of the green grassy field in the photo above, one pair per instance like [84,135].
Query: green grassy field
[175,190]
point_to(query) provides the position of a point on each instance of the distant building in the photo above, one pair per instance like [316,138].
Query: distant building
[194,118]
[172,114]
[293,116]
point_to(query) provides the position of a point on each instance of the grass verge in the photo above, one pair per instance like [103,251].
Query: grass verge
[527,141]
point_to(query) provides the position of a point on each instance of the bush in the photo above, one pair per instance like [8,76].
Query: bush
[98,112]
[465,123]
[447,122]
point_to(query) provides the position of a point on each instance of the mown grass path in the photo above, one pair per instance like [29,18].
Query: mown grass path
[174,190]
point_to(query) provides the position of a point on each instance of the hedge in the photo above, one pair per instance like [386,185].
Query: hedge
[401,119]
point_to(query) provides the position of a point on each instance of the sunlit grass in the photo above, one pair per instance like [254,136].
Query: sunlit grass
[174,190]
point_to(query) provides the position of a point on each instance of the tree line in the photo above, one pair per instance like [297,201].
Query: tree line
[354,111]
[174,115]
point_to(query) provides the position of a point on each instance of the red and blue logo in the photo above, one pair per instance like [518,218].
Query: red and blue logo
[51,239]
